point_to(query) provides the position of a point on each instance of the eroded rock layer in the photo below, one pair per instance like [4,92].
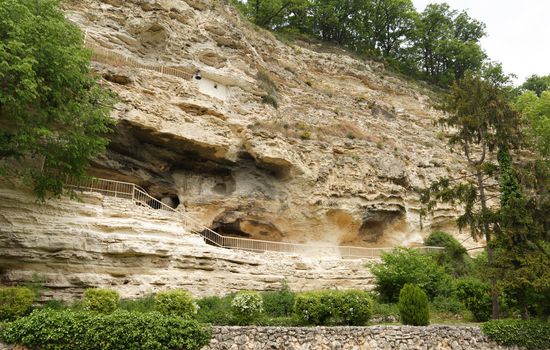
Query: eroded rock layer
[70,245]
[336,162]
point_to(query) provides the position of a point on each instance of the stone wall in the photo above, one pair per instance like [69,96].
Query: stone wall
[352,338]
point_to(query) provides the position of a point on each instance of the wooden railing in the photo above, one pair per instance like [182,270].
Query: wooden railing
[139,196]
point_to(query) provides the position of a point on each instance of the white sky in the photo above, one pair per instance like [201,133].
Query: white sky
[518,32]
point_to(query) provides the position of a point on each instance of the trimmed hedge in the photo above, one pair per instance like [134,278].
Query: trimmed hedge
[121,330]
[100,300]
[15,302]
[350,307]
[176,303]
[353,307]
[314,307]
[531,334]
[413,306]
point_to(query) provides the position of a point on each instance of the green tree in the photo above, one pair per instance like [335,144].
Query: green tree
[448,44]
[51,107]
[523,240]
[403,266]
[537,84]
[537,114]
[391,23]
[272,14]
[336,20]
[481,120]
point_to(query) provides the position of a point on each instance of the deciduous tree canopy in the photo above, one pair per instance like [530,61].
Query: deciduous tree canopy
[51,107]
[439,44]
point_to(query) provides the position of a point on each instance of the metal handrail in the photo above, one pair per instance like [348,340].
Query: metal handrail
[139,196]
[100,54]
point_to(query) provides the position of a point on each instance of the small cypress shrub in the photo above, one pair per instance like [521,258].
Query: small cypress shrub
[15,302]
[246,307]
[413,306]
[176,303]
[100,300]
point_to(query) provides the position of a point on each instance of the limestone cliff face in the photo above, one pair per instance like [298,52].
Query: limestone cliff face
[335,163]
[105,242]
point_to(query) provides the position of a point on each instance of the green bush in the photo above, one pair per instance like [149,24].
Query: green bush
[15,302]
[176,303]
[246,307]
[453,257]
[314,307]
[449,304]
[279,303]
[145,304]
[385,312]
[476,296]
[100,300]
[413,306]
[215,310]
[121,330]
[532,334]
[352,307]
[403,266]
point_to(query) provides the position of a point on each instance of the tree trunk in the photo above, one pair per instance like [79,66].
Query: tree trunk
[490,253]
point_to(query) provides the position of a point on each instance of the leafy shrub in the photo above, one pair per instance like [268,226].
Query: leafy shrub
[176,303]
[453,257]
[352,307]
[403,266]
[121,330]
[476,296]
[314,307]
[532,334]
[246,307]
[215,310]
[15,302]
[446,240]
[449,304]
[305,135]
[100,300]
[145,304]
[413,306]
[385,312]
[279,303]
[270,100]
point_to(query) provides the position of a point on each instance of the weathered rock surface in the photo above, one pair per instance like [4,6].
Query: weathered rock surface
[107,242]
[336,162]
[353,338]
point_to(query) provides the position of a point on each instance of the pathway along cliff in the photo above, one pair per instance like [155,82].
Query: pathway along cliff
[334,164]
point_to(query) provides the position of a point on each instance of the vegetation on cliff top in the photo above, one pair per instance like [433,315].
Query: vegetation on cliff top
[438,44]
